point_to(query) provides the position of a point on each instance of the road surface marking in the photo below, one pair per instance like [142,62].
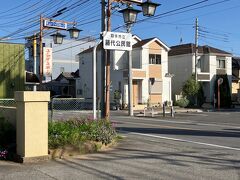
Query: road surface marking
[155,125]
[192,114]
[187,122]
[183,140]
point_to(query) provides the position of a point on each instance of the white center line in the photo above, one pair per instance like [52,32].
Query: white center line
[187,122]
[183,140]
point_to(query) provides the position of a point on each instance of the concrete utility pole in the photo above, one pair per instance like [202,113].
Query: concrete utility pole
[94,81]
[130,88]
[196,47]
[103,63]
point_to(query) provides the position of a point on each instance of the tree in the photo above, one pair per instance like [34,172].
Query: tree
[192,90]
[191,87]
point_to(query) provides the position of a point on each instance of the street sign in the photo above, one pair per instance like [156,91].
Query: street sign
[135,1]
[47,62]
[55,24]
[117,41]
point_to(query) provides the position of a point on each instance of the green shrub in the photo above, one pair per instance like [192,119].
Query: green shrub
[75,132]
[184,102]
[193,91]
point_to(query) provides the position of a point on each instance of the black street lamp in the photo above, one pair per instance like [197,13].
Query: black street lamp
[74,32]
[130,15]
[149,8]
[58,38]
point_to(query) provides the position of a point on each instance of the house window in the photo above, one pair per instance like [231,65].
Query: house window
[154,59]
[155,86]
[221,62]
[61,69]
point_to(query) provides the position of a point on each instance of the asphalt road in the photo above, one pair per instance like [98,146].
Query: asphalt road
[190,146]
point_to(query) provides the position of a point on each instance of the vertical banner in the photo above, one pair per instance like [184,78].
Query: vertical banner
[47,62]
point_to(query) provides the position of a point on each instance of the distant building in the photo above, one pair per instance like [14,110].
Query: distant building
[65,84]
[12,69]
[63,55]
[151,85]
[210,63]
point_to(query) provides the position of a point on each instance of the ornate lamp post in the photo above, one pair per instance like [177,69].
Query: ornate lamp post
[149,8]
[58,38]
[130,17]
[74,32]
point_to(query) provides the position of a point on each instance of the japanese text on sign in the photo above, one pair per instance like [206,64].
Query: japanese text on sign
[55,24]
[117,41]
[47,62]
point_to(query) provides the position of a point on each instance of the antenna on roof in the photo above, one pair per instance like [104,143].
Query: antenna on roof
[181,40]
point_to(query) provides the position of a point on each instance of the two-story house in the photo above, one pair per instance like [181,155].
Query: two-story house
[151,83]
[210,62]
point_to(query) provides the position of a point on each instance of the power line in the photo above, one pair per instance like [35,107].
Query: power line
[168,12]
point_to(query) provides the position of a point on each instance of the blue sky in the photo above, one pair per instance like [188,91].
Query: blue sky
[219,22]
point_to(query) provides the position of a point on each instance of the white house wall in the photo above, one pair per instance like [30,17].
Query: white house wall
[85,70]
[229,71]
[145,82]
[120,60]
[136,59]
[166,92]
[181,67]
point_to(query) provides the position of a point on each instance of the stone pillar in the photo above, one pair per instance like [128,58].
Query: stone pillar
[32,125]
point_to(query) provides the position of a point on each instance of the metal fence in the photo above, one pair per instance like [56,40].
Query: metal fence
[70,108]
[61,108]
[6,103]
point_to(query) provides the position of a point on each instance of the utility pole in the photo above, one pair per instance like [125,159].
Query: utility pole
[107,110]
[196,47]
[103,63]
[41,51]
[34,59]
[130,88]
[196,54]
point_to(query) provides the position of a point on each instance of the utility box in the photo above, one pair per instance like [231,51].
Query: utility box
[12,69]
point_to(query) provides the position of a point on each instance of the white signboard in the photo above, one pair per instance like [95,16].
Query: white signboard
[117,41]
[47,62]
[137,1]
[55,24]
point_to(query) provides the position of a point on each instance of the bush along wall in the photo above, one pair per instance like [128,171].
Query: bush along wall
[225,93]
[75,132]
[7,139]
